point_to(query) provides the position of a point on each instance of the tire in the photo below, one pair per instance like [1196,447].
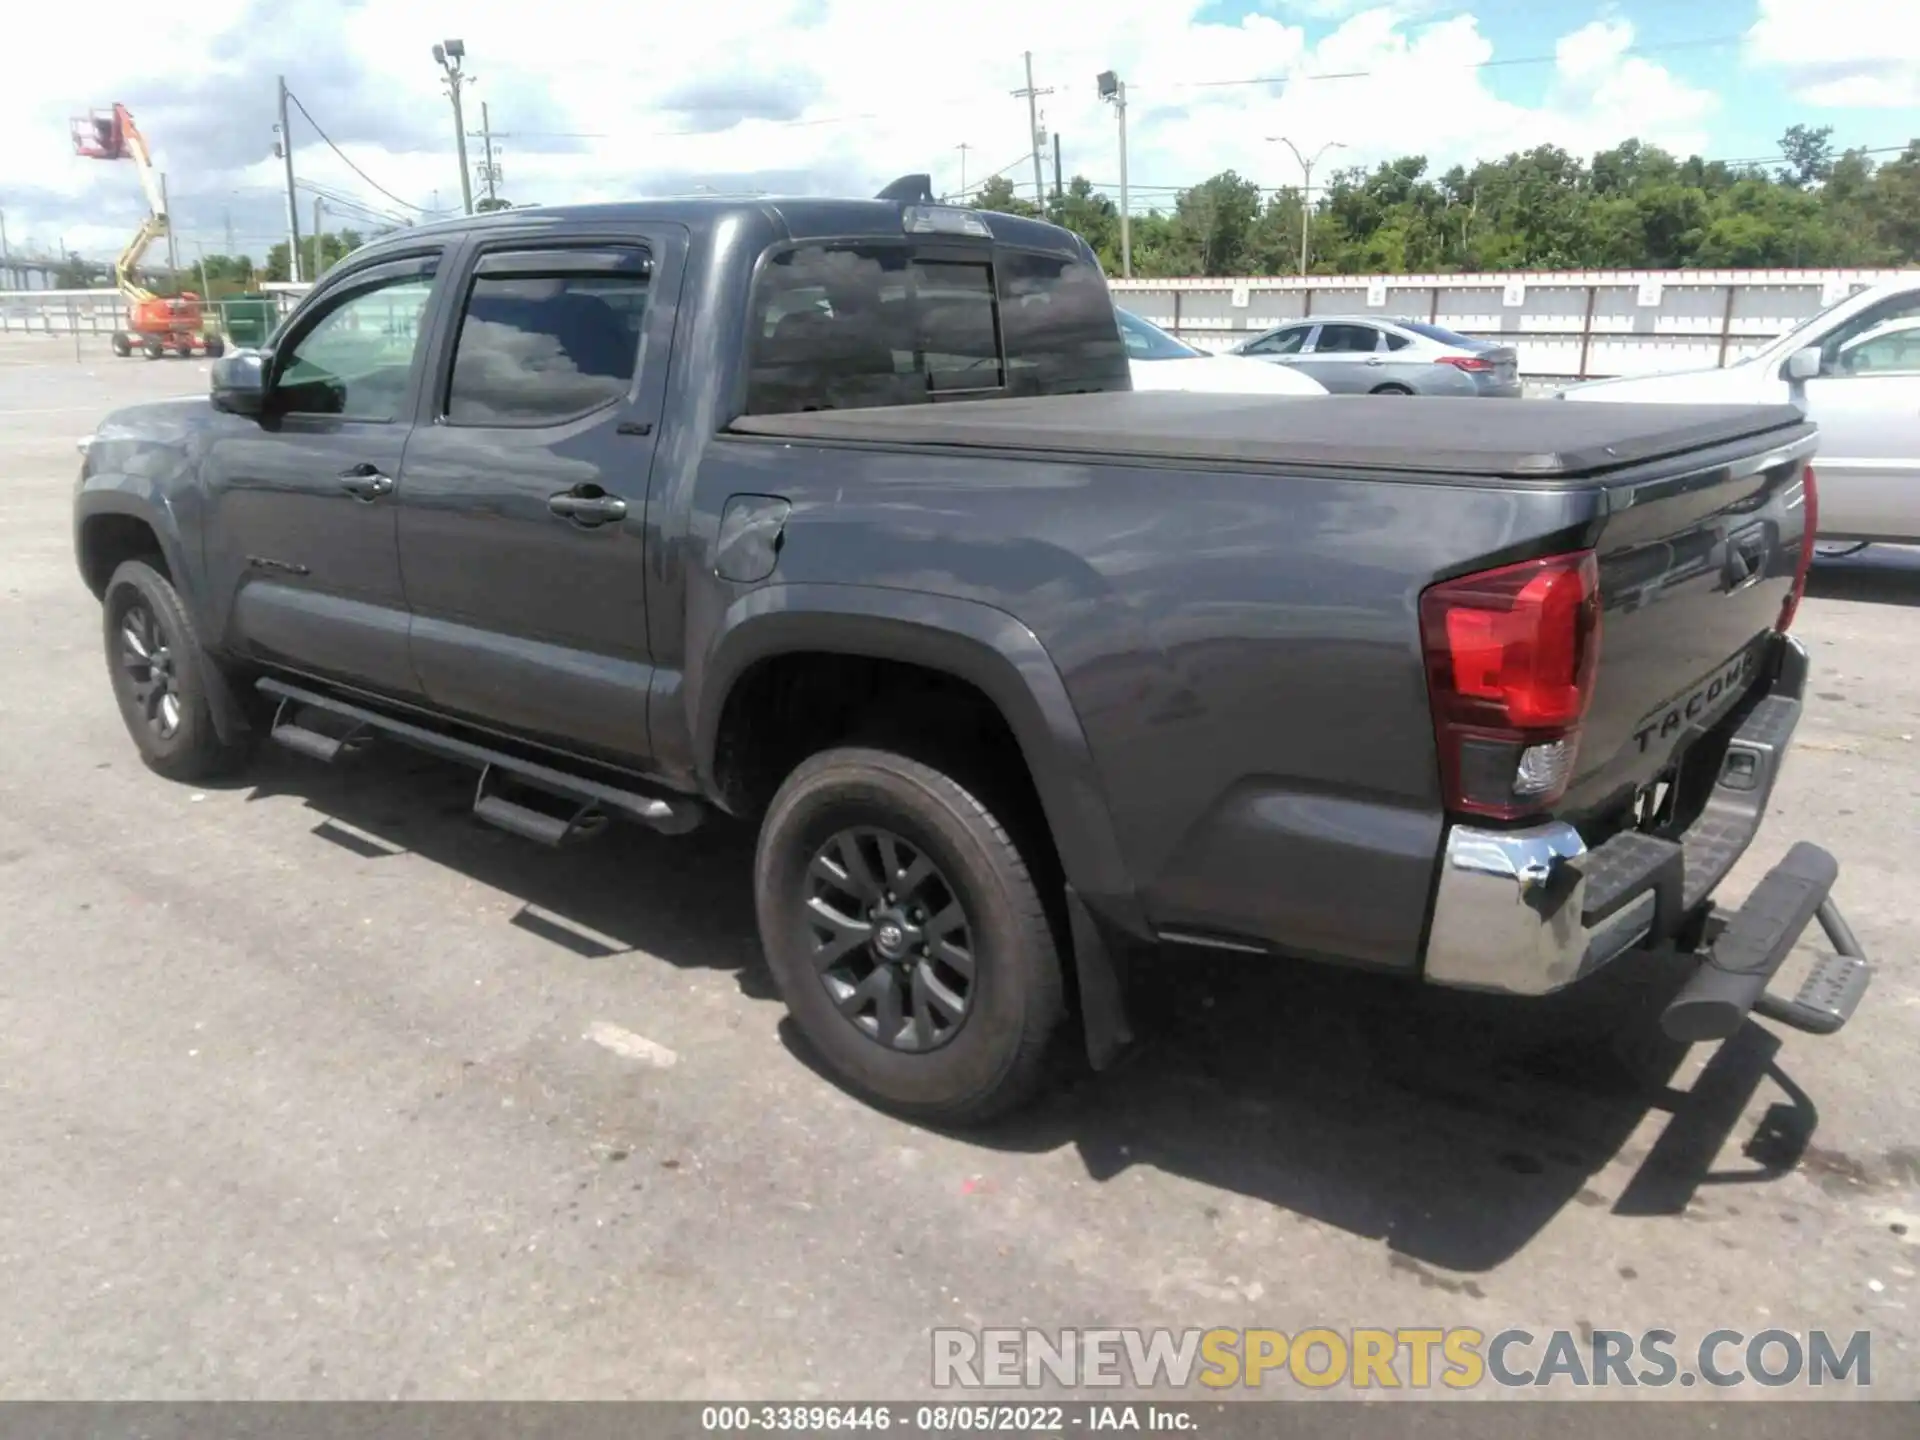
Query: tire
[992,1057]
[1390,390]
[183,348]
[154,349]
[215,347]
[122,344]
[142,616]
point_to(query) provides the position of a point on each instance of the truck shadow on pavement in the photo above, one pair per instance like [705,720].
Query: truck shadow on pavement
[1452,1126]
[1879,575]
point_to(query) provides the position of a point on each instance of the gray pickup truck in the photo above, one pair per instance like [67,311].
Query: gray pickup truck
[840,517]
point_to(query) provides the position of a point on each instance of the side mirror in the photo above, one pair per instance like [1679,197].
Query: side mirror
[240,382]
[1803,364]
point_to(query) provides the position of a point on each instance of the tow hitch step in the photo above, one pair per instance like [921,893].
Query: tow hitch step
[595,801]
[1732,981]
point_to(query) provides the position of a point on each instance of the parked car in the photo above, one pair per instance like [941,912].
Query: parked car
[1157,361]
[1855,370]
[1012,684]
[1366,355]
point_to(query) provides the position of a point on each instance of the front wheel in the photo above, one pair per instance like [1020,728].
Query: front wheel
[907,937]
[215,347]
[159,674]
[122,344]
[1390,390]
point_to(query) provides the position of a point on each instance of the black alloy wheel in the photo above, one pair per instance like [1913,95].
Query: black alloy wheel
[147,669]
[890,940]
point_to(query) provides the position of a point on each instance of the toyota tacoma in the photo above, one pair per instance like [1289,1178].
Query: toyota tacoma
[840,518]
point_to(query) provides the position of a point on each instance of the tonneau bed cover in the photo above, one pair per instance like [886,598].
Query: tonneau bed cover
[1514,439]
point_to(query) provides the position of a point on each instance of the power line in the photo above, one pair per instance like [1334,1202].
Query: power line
[408,204]
[1656,49]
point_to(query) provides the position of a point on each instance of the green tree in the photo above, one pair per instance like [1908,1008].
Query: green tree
[1809,156]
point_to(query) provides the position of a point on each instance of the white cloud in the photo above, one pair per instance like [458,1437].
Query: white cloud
[1840,52]
[833,94]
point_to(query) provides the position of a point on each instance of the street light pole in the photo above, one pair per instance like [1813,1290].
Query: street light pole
[448,54]
[1114,89]
[1306,187]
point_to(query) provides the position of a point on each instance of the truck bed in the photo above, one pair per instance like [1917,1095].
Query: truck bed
[1534,441]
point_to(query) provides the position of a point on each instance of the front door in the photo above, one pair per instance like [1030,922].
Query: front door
[523,505]
[301,543]
[1866,401]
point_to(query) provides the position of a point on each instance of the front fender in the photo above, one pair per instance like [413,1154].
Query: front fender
[150,508]
[969,640]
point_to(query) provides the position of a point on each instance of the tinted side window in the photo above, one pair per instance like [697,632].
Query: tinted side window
[1062,334]
[354,362]
[537,350]
[1281,342]
[842,326]
[1346,340]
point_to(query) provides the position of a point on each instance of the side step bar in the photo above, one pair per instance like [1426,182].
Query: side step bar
[593,799]
[1732,981]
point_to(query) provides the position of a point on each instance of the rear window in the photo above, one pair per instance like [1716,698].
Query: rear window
[1442,334]
[847,325]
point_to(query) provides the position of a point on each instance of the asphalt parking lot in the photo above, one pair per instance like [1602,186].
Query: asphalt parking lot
[312,1086]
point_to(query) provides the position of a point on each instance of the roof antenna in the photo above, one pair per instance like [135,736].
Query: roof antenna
[909,190]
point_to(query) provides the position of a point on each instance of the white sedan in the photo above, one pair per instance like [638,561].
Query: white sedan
[1855,370]
[1160,362]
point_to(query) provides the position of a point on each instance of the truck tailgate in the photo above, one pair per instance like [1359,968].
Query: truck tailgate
[1695,570]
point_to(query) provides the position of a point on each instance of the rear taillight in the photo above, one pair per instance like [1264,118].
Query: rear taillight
[1811,505]
[1464,362]
[1510,656]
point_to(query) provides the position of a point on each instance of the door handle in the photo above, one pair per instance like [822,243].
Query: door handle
[587,509]
[365,482]
[1374,360]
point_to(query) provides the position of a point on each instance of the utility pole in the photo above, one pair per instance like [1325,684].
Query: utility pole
[486,138]
[3,231]
[448,54]
[1057,191]
[1114,90]
[1032,97]
[293,205]
[963,147]
[1306,188]
[173,255]
[226,221]
[319,255]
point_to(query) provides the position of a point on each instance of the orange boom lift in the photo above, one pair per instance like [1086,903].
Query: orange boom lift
[154,324]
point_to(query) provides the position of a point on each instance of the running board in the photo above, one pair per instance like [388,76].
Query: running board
[594,800]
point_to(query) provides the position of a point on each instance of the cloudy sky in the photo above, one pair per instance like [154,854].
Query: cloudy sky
[599,99]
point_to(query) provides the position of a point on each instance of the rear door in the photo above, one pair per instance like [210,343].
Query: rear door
[522,527]
[300,536]
[1866,401]
[1344,356]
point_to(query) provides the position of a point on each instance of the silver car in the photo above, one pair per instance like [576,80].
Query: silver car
[1366,355]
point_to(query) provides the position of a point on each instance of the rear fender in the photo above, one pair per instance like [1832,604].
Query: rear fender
[985,647]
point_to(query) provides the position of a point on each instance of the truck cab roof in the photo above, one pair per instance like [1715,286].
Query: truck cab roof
[783,217]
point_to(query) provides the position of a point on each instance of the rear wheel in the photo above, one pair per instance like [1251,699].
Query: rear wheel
[907,936]
[159,671]
[154,349]
[122,344]
[215,347]
[1390,390]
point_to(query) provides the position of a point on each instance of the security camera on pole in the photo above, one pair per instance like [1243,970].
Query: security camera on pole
[448,55]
